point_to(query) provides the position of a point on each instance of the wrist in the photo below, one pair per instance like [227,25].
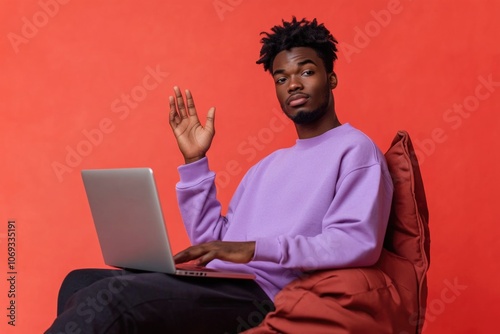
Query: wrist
[191,160]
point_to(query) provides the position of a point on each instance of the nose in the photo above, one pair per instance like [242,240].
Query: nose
[294,84]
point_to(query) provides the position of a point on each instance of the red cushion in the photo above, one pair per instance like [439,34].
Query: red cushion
[408,230]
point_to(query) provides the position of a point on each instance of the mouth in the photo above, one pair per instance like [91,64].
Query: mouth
[297,99]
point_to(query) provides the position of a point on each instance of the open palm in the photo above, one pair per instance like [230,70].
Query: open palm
[193,139]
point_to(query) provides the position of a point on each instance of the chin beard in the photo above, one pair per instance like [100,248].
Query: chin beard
[307,117]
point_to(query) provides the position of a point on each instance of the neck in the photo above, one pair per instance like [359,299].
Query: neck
[326,123]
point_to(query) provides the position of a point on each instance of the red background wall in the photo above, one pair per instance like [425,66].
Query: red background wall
[67,68]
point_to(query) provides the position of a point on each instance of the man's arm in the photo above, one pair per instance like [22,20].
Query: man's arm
[202,217]
[353,228]
[194,140]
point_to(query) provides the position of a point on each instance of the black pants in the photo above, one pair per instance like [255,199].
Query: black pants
[116,301]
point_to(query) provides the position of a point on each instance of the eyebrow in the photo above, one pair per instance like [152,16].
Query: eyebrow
[300,63]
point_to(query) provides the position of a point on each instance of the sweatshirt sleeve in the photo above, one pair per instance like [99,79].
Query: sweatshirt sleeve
[353,228]
[200,209]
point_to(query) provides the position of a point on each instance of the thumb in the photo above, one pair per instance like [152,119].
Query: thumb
[210,122]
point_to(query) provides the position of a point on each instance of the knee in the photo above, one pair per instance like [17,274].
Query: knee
[78,280]
[73,282]
[100,297]
[101,300]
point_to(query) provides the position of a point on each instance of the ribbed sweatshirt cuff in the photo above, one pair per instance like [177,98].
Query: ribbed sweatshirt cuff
[193,173]
[267,249]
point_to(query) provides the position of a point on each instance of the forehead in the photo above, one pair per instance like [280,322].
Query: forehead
[295,56]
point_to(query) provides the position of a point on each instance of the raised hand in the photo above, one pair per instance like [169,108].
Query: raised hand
[193,139]
[239,252]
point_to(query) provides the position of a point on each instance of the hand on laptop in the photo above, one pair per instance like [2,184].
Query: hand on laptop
[239,252]
[193,139]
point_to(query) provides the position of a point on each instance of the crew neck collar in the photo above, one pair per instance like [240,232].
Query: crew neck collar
[310,142]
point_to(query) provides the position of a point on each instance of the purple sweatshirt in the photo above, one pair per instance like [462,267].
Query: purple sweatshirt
[320,204]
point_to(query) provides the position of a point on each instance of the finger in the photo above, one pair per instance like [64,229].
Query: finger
[190,253]
[180,102]
[205,259]
[173,117]
[210,122]
[182,257]
[190,103]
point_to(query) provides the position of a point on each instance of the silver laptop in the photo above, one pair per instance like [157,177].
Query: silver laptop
[129,222]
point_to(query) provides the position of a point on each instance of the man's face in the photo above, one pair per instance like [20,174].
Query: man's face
[302,85]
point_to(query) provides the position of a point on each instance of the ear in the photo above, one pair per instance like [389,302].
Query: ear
[332,78]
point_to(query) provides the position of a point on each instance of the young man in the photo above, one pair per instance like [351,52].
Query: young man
[320,204]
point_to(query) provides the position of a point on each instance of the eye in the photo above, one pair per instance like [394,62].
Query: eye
[280,80]
[308,73]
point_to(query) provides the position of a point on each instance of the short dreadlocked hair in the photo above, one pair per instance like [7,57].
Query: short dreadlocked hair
[301,33]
